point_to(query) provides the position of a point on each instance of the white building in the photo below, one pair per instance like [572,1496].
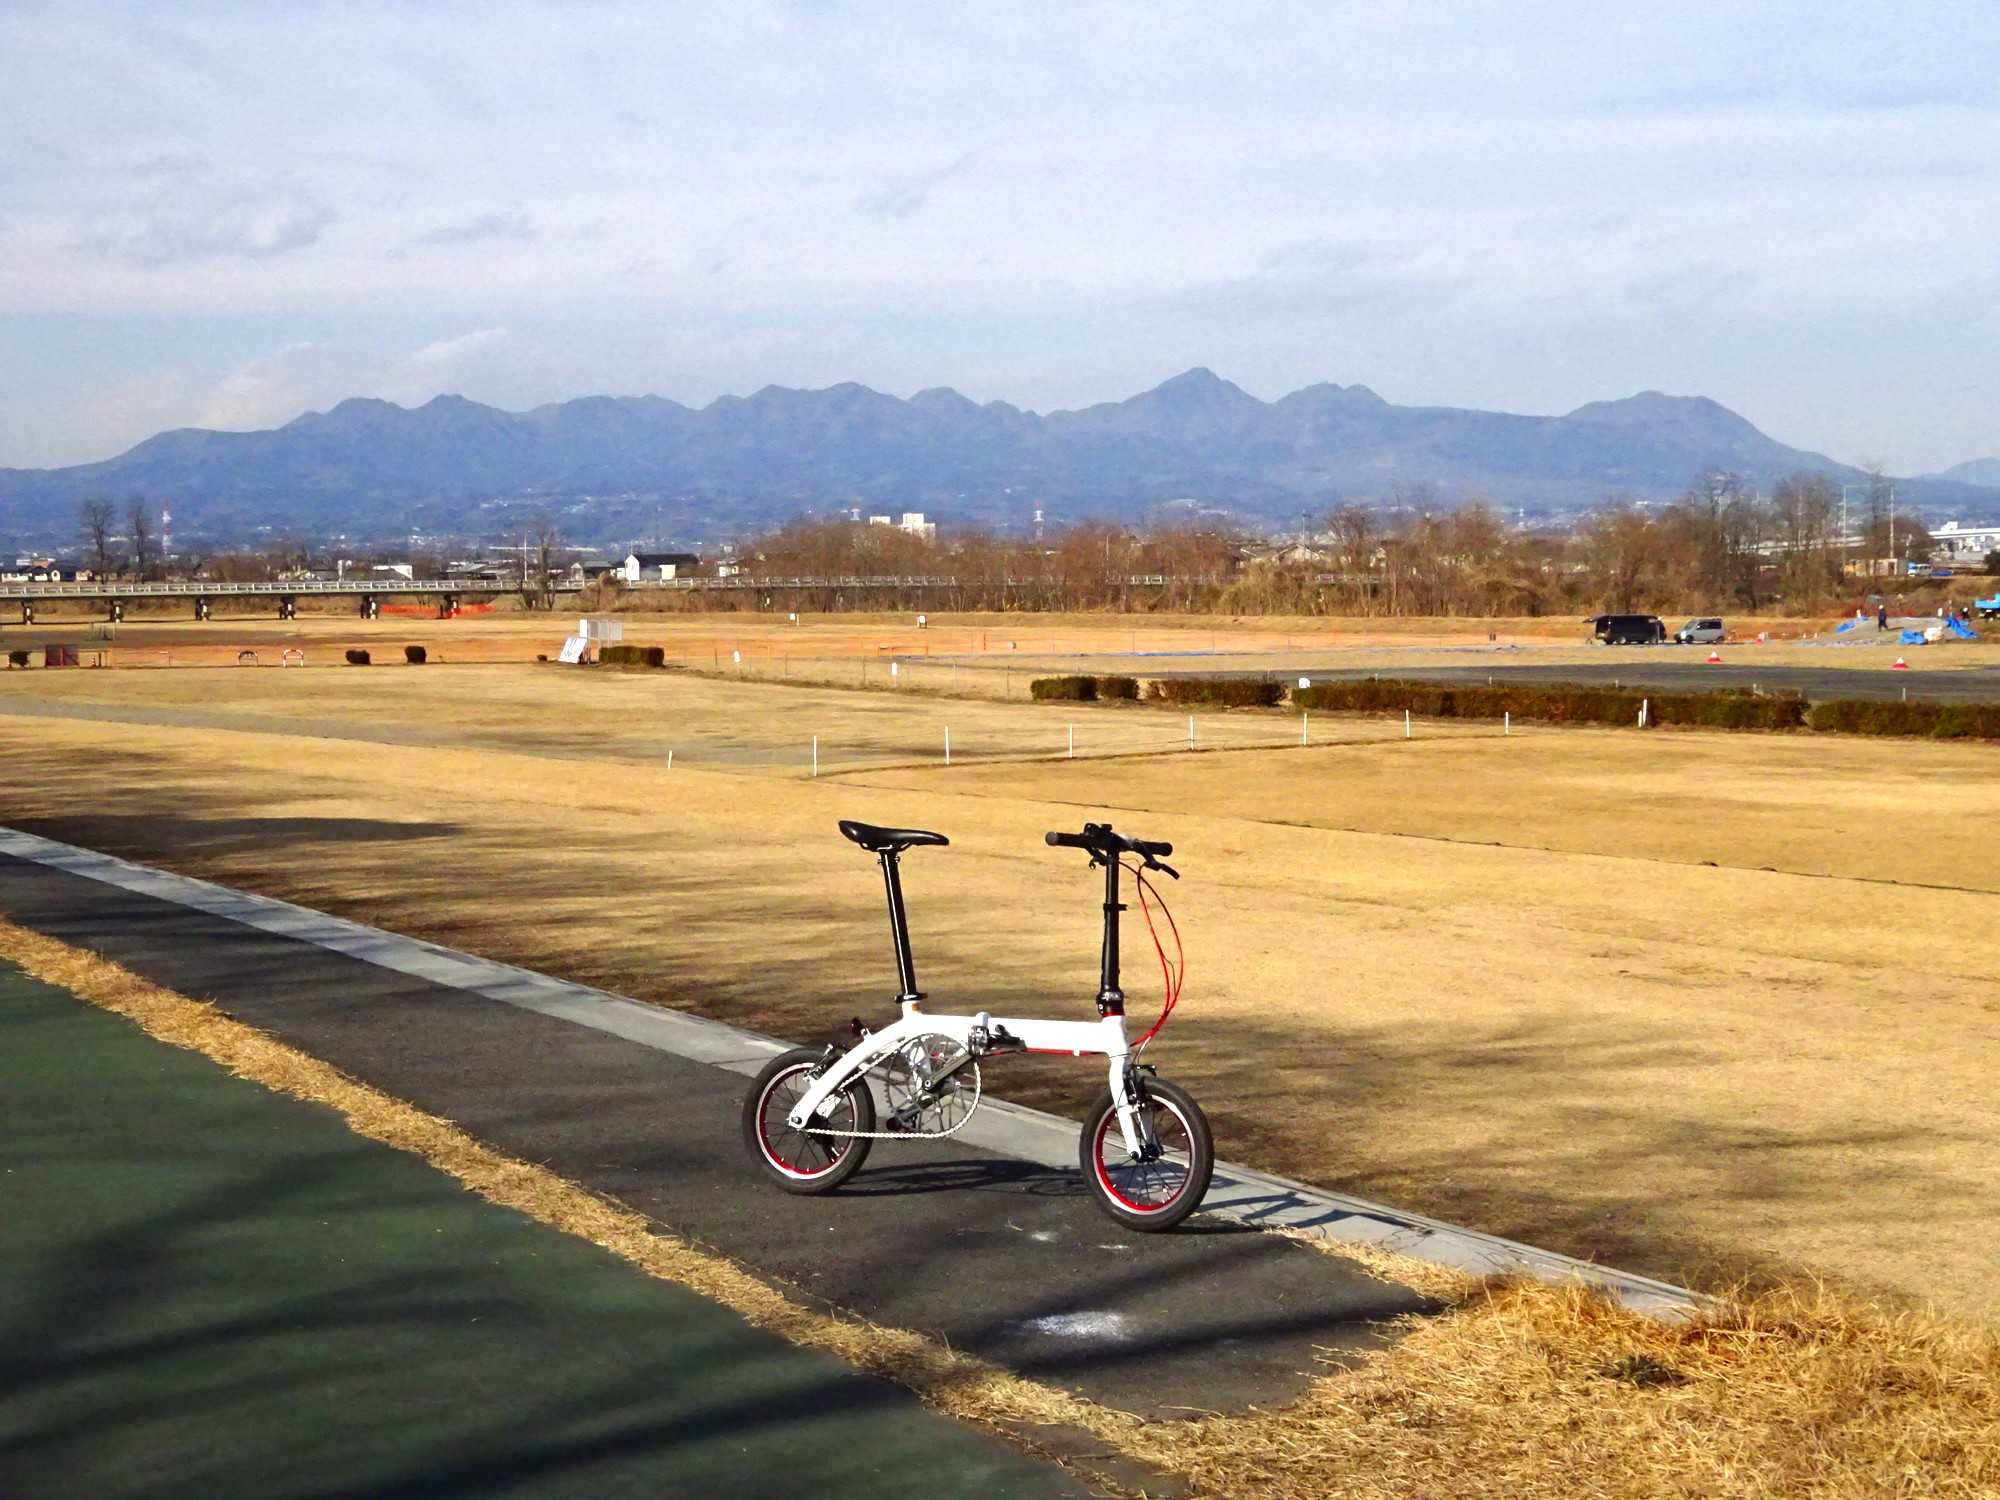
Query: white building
[1956,541]
[913,522]
[658,567]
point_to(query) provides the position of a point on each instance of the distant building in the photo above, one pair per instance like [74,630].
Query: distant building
[658,567]
[1955,540]
[913,522]
[590,570]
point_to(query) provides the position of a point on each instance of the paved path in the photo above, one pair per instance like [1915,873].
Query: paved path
[1682,669]
[207,1289]
[1001,1256]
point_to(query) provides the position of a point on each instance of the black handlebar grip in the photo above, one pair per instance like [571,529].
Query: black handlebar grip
[1159,850]
[1067,841]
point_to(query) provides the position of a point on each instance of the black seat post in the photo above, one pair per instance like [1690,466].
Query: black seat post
[1110,998]
[899,927]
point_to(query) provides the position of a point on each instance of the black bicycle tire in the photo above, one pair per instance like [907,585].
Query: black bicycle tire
[860,1100]
[1201,1160]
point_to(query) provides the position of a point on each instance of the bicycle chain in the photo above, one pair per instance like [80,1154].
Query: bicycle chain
[908,1135]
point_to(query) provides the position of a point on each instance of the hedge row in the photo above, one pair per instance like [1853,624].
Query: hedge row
[1225,692]
[1556,703]
[632,656]
[357,658]
[1083,689]
[1939,721]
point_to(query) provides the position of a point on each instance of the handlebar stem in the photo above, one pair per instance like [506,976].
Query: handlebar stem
[1110,998]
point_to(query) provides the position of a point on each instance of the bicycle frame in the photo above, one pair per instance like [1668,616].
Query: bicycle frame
[984,1035]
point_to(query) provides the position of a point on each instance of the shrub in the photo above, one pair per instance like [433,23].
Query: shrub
[1064,689]
[17,658]
[632,656]
[357,658]
[415,655]
[1118,687]
[1942,721]
[1226,692]
[1556,703]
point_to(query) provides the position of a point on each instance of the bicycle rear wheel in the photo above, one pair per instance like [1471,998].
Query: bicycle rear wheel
[821,1157]
[1149,1195]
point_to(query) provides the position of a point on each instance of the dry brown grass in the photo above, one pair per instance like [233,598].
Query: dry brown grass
[1586,1038]
[1524,1391]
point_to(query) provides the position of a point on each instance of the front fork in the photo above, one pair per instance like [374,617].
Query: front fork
[1135,1120]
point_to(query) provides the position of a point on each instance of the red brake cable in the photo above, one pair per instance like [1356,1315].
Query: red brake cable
[1172,976]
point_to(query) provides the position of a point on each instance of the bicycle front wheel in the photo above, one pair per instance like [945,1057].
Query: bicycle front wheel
[1149,1195]
[825,1154]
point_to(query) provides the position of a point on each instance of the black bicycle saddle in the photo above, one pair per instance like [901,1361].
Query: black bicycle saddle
[878,840]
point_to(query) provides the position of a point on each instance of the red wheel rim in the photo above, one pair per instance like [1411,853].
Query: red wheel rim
[1146,1187]
[799,1154]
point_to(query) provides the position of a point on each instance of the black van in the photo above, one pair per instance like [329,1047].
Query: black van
[1628,630]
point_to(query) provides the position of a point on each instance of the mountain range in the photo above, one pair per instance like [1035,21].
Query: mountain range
[618,467]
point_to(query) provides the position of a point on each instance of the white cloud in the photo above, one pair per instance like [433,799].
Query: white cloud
[1046,202]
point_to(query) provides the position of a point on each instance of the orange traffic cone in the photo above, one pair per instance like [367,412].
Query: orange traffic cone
[1715,658]
[1901,665]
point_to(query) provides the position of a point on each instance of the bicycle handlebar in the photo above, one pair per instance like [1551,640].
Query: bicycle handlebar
[1097,838]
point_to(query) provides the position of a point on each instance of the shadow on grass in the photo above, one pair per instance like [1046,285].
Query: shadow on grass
[1578,1149]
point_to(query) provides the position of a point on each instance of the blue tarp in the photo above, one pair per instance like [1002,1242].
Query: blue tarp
[1846,625]
[1962,630]
[1913,638]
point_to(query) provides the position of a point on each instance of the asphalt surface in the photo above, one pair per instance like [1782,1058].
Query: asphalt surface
[1002,1258]
[208,1289]
[1683,669]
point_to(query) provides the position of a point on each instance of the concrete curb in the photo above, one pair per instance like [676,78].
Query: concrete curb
[1238,1193]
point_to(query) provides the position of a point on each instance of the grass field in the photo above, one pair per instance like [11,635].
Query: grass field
[1693,1004]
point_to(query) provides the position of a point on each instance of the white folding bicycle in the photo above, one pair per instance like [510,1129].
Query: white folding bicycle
[1145,1148]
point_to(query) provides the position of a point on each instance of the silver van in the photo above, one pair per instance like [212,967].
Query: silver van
[1703,632]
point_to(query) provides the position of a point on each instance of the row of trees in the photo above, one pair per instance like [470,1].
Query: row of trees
[1719,546]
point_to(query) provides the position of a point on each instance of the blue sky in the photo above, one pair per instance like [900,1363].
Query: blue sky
[225,215]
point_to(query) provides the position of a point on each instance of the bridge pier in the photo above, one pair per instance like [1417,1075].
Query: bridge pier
[201,607]
[288,607]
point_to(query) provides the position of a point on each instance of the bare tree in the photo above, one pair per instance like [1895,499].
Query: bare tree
[141,527]
[535,559]
[95,517]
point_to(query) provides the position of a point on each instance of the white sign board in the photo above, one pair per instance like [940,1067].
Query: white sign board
[1305,682]
[573,649]
[604,632]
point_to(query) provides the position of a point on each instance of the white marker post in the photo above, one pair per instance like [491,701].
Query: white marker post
[1072,743]
[815,755]
[670,760]
[947,744]
[1304,719]
[1406,724]
[1190,731]
[1507,722]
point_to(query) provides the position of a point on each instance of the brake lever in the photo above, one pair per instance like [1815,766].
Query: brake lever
[1155,864]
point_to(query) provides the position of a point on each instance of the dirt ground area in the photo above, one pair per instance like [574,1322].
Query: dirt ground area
[1693,1004]
[969,655]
